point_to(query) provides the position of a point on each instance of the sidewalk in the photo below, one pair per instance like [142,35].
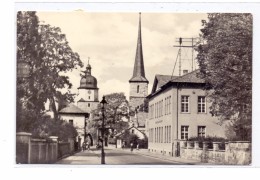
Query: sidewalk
[87,157]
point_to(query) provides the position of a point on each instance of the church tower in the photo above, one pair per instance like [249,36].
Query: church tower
[138,82]
[88,91]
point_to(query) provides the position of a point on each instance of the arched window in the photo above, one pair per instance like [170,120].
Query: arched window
[137,90]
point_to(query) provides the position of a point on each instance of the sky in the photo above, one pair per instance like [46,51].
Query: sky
[110,39]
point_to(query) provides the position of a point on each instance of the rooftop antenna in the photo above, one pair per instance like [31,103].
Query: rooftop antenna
[187,41]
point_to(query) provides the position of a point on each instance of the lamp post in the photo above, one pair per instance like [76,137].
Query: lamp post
[103,102]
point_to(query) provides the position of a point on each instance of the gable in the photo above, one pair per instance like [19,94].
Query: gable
[160,80]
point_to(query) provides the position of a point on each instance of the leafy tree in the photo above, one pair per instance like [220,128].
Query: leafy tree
[225,60]
[129,138]
[116,111]
[46,126]
[49,56]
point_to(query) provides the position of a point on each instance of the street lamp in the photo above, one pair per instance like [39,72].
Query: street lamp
[103,102]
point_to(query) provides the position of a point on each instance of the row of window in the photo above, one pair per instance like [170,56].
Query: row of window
[185,107]
[185,132]
[156,110]
[156,134]
[160,134]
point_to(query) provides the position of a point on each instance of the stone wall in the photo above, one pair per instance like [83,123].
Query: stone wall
[137,98]
[136,101]
[235,153]
[40,151]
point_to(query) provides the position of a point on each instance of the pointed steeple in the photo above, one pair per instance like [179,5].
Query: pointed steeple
[139,73]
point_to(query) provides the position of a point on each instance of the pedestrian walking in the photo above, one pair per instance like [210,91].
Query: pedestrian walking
[87,145]
[131,147]
[84,146]
[123,144]
[137,146]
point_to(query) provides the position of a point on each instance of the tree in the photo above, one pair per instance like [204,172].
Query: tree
[225,61]
[115,112]
[49,55]
[129,138]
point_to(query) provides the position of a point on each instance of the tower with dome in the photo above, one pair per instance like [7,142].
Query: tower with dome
[88,100]
[88,91]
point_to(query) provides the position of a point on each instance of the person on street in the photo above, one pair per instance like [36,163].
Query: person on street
[87,145]
[123,144]
[131,147]
[84,146]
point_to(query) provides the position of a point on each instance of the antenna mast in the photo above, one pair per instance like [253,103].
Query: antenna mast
[185,41]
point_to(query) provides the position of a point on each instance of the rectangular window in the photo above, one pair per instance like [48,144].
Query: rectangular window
[71,122]
[159,109]
[170,105]
[154,134]
[201,131]
[184,104]
[165,131]
[161,134]
[170,134]
[201,104]
[162,108]
[159,138]
[165,106]
[184,132]
[156,131]
[155,110]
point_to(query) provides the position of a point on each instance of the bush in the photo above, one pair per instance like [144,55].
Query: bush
[210,140]
[143,143]
[46,126]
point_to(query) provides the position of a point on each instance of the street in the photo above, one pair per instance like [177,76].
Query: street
[122,157]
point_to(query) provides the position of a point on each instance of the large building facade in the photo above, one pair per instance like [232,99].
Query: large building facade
[178,110]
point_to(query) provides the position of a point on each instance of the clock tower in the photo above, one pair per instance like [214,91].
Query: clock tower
[88,91]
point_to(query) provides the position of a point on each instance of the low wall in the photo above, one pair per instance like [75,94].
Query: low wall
[63,149]
[43,152]
[234,153]
[40,151]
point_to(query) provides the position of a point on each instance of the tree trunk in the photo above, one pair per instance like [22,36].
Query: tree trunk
[54,109]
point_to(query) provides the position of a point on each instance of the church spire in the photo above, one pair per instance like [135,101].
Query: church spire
[88,69]
[139,73]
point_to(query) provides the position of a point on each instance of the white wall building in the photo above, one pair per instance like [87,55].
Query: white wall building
[178,110]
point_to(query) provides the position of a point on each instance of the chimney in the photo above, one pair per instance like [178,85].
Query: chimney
[184,72]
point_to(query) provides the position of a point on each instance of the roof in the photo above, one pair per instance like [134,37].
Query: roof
[72,109]
[160,80]
[188,79]
[81,100]
[191,77]
[139,73]
[122,132]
